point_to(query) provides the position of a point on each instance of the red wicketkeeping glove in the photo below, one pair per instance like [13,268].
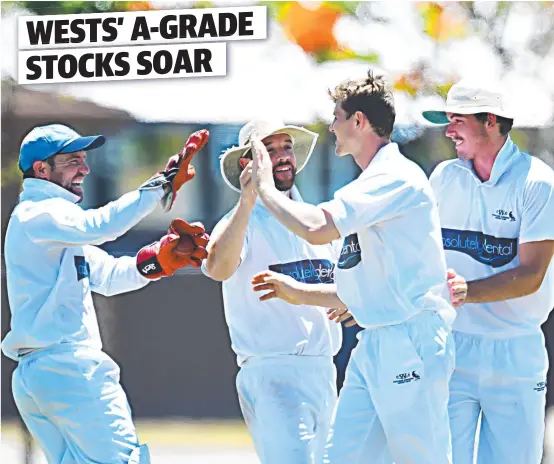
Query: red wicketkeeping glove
[178,170]
[184,245]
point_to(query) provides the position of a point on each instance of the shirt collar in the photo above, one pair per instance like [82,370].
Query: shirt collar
[502,162]
[39,189]
[384,154]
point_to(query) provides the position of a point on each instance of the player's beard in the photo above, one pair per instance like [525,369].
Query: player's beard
[68,185]
[284,185]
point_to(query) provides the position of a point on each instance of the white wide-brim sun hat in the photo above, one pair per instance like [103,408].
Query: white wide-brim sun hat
[303,139]
[467,97]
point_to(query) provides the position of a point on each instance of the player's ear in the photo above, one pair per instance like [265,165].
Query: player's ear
[42,170]
[359,118]
[243,162]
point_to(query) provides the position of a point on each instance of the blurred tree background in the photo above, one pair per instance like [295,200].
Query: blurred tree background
[511,37]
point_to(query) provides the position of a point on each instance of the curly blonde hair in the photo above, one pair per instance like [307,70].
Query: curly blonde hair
[372,96]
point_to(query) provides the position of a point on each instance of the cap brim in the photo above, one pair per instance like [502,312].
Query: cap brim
[436,117]
[84,143]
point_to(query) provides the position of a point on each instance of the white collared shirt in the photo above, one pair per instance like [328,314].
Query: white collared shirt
[483,225]
[392,263]
[51,268]
[275,327]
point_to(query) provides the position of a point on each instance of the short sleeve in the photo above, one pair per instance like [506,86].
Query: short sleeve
[437,179]
[537,222]
[371,200]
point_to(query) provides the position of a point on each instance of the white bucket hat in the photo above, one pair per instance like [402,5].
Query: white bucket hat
[467,97]
[304,142]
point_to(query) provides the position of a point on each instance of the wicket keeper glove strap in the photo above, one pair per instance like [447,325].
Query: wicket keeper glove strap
[178,170]
[184,245]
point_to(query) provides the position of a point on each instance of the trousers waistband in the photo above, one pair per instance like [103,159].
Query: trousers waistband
[54,349]
[499,336]
[296,360]
[422,314]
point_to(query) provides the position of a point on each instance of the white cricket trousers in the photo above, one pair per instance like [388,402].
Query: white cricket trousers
[287,403]
[393,405]
[72,403]
[505,381]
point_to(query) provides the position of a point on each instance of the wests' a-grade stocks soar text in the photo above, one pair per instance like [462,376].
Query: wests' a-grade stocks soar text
[213,27]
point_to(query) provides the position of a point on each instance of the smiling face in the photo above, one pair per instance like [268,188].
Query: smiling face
[344,129]
[68,172]
[468,134]
[280,149]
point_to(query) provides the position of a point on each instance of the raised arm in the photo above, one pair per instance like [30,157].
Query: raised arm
[227,248]
[307,221]
[67,224]
[376,198]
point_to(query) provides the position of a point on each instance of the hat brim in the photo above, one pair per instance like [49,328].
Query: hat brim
[89,142]
[304,144]
[439,116]
[436,117]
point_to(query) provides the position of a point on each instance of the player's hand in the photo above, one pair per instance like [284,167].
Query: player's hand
[457,287]
[279,285]
[247,193]
[178,170]
[340,315]
[183,245]
[262,167]
[193,240]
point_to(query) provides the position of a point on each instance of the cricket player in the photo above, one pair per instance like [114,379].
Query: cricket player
[287,380]
[391,275]
[66,388]
[496,207]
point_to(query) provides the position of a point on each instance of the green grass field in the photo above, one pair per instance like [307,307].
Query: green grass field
[170,441]
[194,442]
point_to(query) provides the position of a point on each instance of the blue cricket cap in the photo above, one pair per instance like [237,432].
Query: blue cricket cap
[45,141]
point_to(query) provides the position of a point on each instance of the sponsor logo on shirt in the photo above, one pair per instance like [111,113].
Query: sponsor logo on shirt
[504,215]
[406,377]
[351,253]
[82,267]
[493,251]
[308,271]
[540,386]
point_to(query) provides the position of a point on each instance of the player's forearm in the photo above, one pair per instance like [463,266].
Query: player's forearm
[514,283]
[116,218]
[124,277]
[224,250]
[324,295]
[109,275]
[305,220]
